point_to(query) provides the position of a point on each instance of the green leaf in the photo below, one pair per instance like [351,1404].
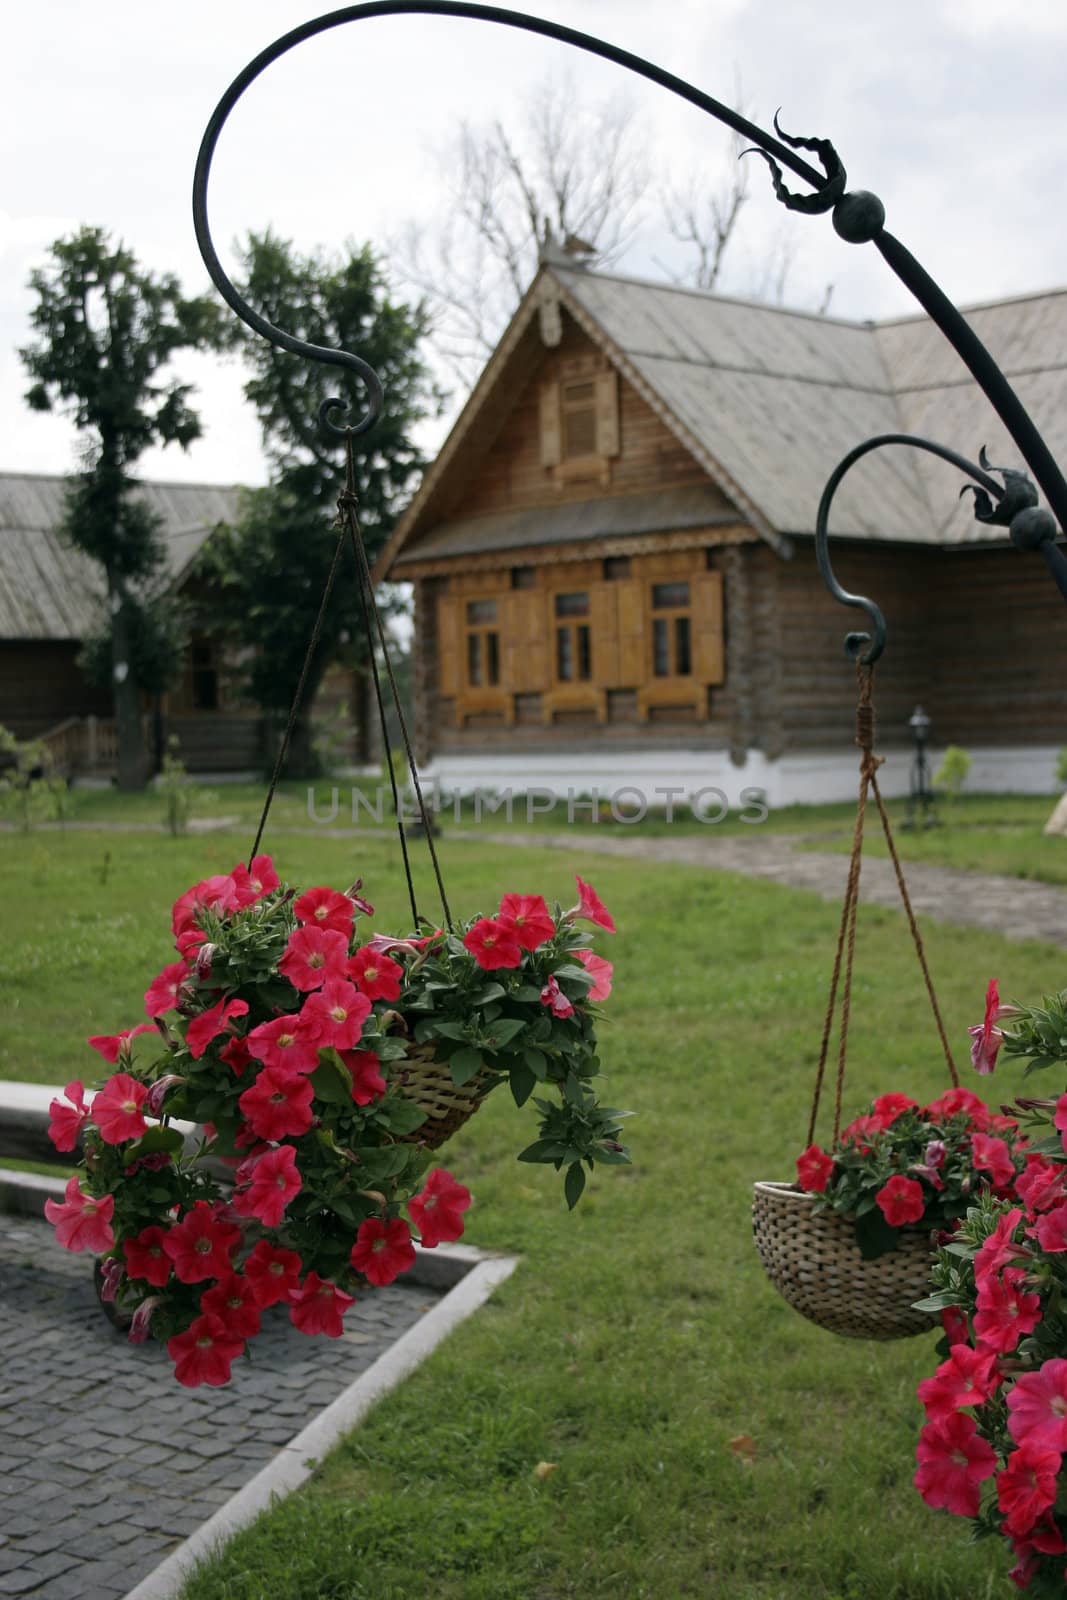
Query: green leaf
[153,1141]
[400,1115]
[492,991]
[451,1030]
[543,1150]
[523,1081]
[527,994]
[502,1032]
[537,1062]
[464,1065]
[573,1184]
[331,1080]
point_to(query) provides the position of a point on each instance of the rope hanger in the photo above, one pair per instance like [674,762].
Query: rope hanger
[348,532]
[846,938]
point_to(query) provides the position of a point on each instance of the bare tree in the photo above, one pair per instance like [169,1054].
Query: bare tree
[566,172]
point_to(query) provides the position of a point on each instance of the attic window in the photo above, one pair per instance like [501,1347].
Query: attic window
[578,411]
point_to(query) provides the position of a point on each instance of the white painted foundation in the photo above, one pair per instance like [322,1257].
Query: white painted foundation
[792,780]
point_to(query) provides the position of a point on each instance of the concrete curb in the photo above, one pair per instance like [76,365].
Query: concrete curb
[473,1276]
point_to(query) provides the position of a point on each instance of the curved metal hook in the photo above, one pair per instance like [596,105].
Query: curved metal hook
[983,483]
[446,8]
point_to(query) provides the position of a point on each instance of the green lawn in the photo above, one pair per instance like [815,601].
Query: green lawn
[638,1336]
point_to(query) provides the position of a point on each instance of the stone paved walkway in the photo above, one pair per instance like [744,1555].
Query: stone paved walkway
[106,1463]
[1017,908]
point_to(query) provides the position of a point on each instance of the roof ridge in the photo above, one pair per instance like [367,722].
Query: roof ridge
[864,324]
[152,483]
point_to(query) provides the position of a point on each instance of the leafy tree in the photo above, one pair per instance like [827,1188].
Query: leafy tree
[106,330]
[273,564]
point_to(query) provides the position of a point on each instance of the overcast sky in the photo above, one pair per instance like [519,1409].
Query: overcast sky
[951,110]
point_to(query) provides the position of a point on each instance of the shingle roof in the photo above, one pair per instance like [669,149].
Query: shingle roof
[50,591]
[617,516]
[770,400]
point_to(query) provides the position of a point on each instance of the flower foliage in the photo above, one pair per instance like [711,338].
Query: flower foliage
[1000,1286]
[900,1164]
[287,1038]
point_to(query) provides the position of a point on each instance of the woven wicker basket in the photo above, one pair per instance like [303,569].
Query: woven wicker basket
[815,1264]
[429,1084]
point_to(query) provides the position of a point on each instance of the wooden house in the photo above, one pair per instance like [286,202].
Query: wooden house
[612,555]
[51,596]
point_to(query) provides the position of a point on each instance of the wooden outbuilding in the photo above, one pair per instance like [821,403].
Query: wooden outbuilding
[613,565]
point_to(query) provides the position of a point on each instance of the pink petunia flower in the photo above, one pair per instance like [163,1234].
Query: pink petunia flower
[285,1043]
[1006,1312]
[368,1084]
[318,1307]
[278,1104]
[1051,1230]
[117,1109]
[204,1353]
[273,1182]
[375,975]
[993,1156]
[112,1045]
[383,1250]
[590,908]
[530,918]
[82,1222]
[1027,1486]
[438,1211]
[493,944]
[253,882]
[312,955]
[888,1107]
[273,1273]
[901,1200]
[1037,1406]
[382,944]
[601,971]
[210,1023]
[1040,1185]
[219,894]
[325,908]
[335,1015]
[200,1245]
[142,1319]
[953,1461]
[986,1037]
[814,1169]
[161,995]
[236,1055]
[967,1378]
[146,1257]
[996,1251]
[67,1121]
[553,997]
[954,1325]
[233,1300]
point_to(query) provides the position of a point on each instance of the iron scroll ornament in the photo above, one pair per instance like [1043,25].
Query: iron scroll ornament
[858,218]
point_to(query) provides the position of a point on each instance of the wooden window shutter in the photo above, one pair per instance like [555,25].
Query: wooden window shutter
[604,622]
[630,600]
[607,413]
[448,646]
[709,659]
[522,641]
[551,431]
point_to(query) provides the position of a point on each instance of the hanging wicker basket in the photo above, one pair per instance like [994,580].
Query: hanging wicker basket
[814,1262]
[429,1084]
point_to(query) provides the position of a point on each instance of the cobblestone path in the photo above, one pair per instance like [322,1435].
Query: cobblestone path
[1017,908]
[106,1463]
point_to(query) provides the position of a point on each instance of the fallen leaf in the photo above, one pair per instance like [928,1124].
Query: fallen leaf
[545,1469]
[744,1447]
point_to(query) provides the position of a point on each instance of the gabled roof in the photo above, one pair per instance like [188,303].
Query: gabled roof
[50,591]
[769,401]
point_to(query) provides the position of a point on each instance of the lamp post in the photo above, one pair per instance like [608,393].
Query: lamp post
[921,796]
